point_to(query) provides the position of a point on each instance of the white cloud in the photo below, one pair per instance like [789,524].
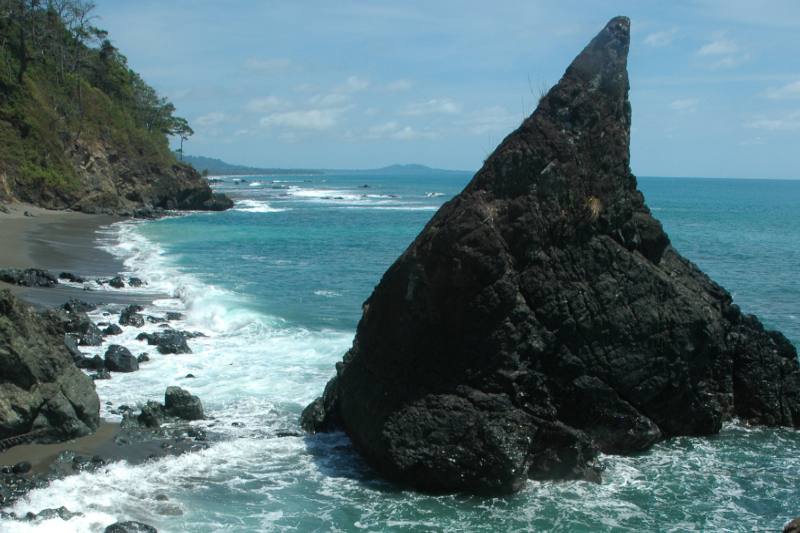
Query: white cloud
[787,92]
[752,142]
[662,38]
[790,122]
[353,84]
[392,130]
[265,105]
[270,66]
[308,120]
[731,61]
[684,106]
[398,85]
[211,119]
[444,107]
[327,100]
[721,46]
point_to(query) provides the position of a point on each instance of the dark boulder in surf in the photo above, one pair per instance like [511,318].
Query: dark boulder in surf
[120,359]
[542,316]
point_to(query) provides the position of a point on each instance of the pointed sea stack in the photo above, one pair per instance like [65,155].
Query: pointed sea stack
[542,316]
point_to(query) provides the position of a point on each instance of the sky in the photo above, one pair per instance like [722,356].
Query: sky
[715,84]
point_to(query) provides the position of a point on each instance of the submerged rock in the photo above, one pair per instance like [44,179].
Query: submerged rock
[542,316]
[43,394]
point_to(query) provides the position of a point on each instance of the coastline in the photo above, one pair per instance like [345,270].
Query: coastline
[65,241]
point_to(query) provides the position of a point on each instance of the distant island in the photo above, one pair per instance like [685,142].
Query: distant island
[401,170]
[217,167]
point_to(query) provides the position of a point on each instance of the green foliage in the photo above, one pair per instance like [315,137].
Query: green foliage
[48,177]
[63,84]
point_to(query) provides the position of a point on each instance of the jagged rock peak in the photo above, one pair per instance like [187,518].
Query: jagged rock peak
[542,316]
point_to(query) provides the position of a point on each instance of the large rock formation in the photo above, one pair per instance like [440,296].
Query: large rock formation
[115,182]
[42,393]
[542,315]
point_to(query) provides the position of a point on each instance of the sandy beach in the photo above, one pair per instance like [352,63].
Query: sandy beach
[62,241]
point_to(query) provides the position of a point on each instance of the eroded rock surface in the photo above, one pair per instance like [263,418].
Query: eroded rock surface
[542,316]
[42,392]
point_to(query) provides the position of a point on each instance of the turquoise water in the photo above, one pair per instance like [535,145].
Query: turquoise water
[277,285]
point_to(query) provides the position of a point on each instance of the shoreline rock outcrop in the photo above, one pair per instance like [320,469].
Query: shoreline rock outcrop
[542,316]
[42,394]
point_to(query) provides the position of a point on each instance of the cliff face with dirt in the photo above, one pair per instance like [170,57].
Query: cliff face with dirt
[542,316]
[115,182]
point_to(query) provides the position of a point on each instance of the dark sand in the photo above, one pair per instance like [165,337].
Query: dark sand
[62,241]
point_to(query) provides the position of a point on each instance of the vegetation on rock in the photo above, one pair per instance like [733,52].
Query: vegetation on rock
[78,127]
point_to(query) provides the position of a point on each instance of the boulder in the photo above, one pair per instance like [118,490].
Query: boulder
[179,403]
[31,277]
[542,316]
[130,316]
[167,341]
[112,330]
[793,526]
[135,282]
[71,344]
[70,319]
[117,282]
[79,306]
[130,526]
[90,363]
[43,393]
[120,359]
[67,276]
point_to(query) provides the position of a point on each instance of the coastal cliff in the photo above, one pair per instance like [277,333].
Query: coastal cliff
[542,316]
[79,129]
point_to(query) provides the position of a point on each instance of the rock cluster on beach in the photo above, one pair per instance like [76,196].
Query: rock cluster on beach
[542,316]
[43,393]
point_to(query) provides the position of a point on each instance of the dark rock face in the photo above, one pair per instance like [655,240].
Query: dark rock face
[32,277]
[130,527]
[69,318]
[178,402]
[117,282]
[793,526]
[542,315]
[112,330]
[43,393]
[130,316]
[178,405]
[167,341]
[120,359]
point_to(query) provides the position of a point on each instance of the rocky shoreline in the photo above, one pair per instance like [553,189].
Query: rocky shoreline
[35,415]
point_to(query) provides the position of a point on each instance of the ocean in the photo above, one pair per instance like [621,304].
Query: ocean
[276,285]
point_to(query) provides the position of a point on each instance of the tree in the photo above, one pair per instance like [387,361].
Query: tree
[180,127]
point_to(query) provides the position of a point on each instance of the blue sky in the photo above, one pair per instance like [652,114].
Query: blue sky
[715,84]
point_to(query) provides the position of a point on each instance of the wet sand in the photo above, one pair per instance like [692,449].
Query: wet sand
[62,241]
[59,241]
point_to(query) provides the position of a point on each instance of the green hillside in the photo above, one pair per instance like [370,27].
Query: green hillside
[78,128]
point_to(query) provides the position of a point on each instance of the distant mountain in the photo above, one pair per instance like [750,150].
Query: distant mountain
[400,170]
[216,167]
